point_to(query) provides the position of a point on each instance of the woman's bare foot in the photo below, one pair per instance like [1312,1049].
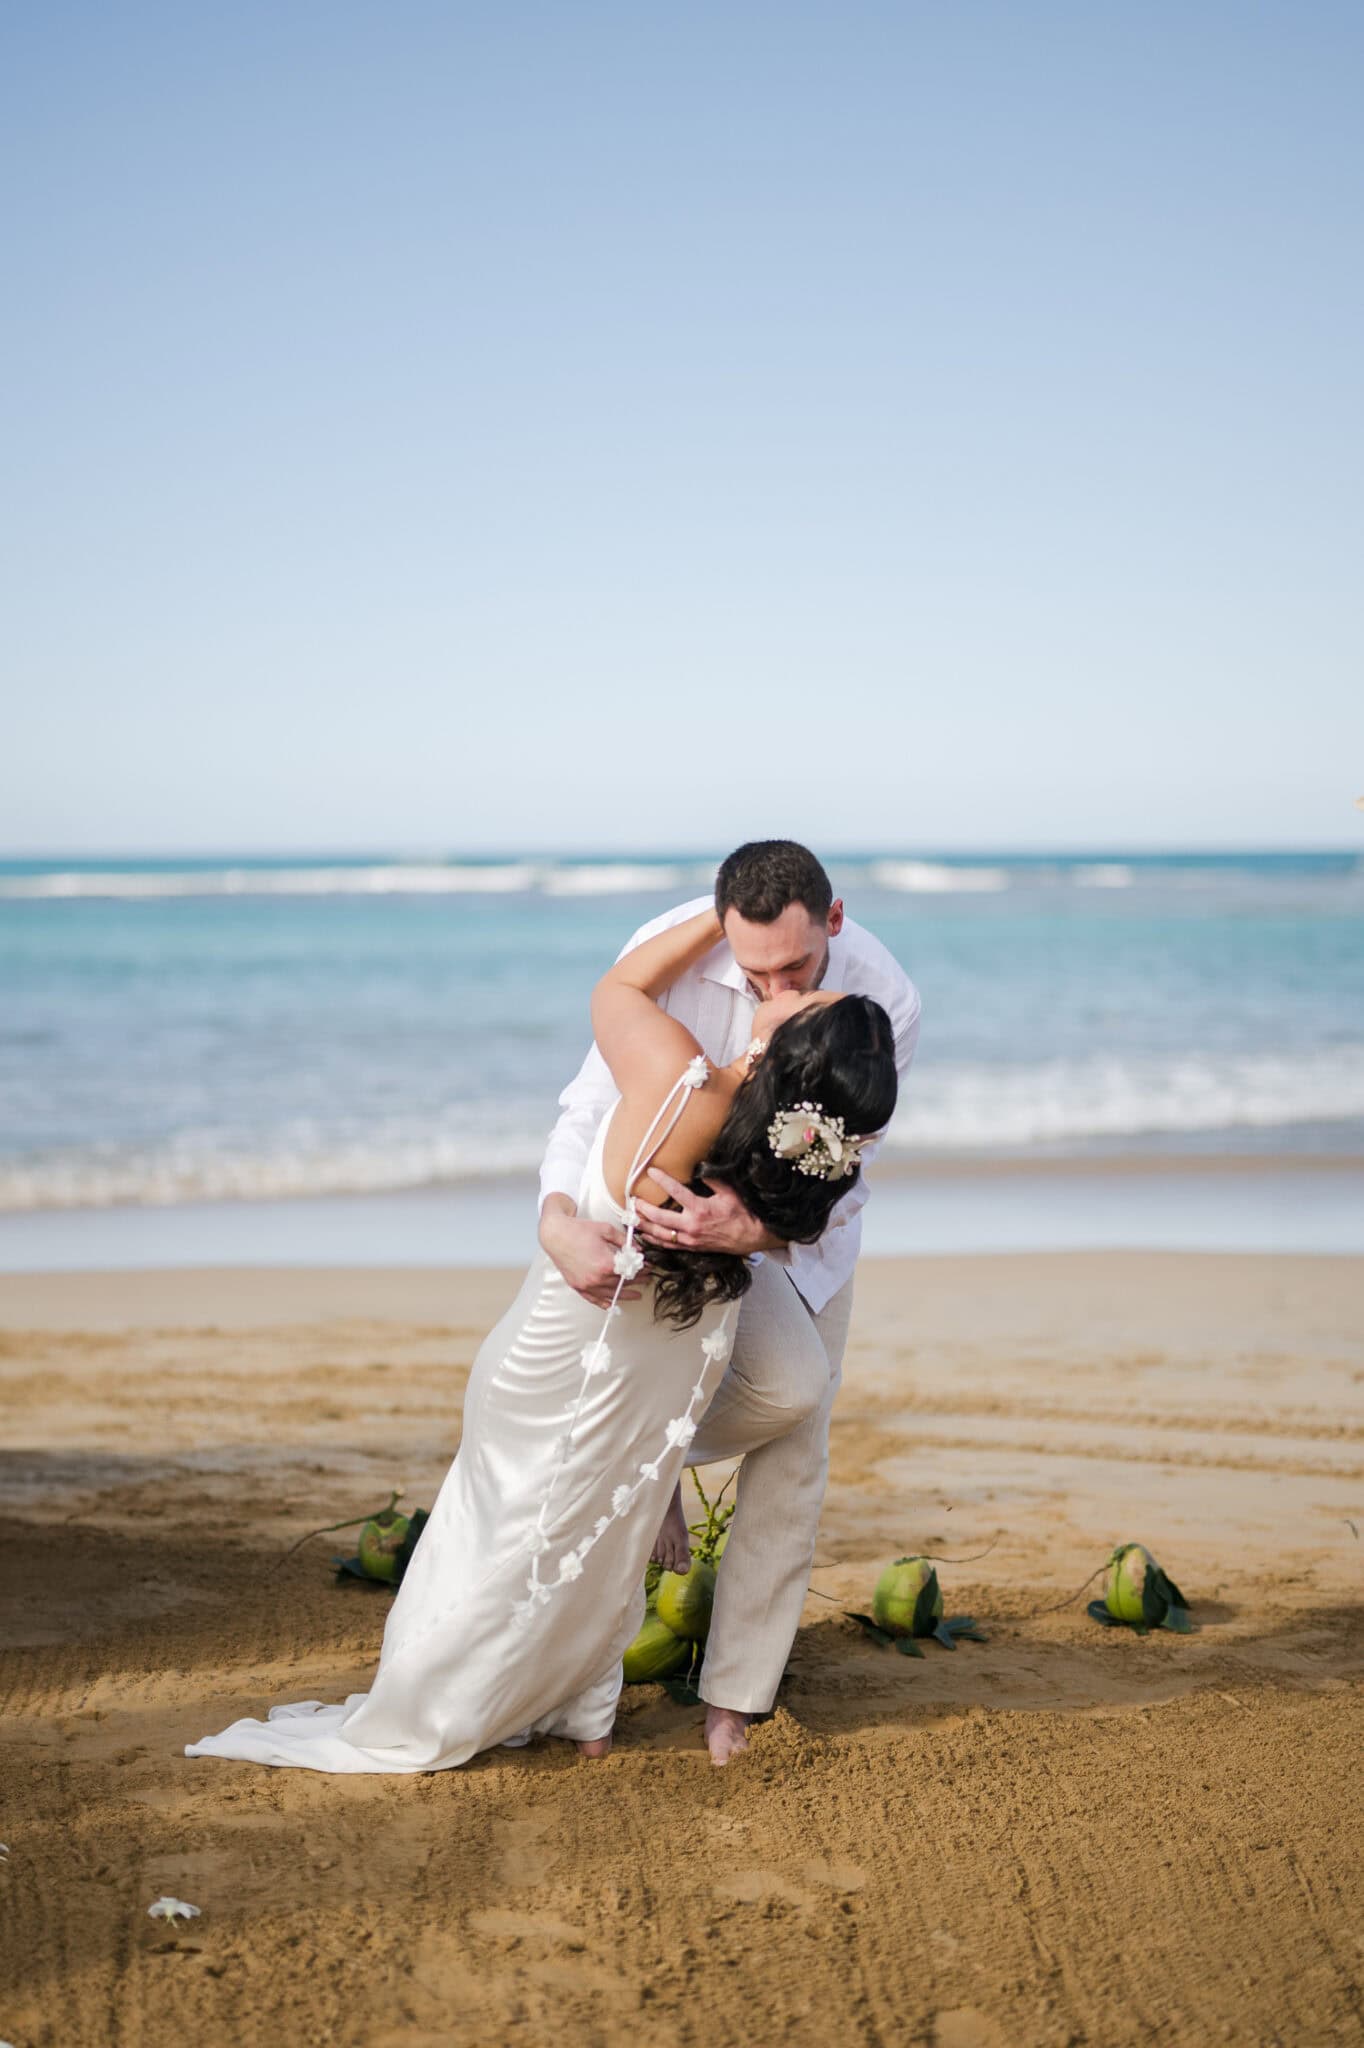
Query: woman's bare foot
[600,1745]
[672,1545]
[726,1733]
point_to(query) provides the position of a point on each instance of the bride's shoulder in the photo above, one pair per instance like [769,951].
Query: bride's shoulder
[686,1100]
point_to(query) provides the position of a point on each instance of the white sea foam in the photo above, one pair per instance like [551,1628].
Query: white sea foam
[197,1167]
[933,878]
[393,878]
[952,1108]
[1106,874]
[969,1107]
[620,878]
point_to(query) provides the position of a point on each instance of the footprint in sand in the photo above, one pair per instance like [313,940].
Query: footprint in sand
[524,1859]
[839,1877]
[574,1971]
[964,2027]
[503,1923]
[754,1887]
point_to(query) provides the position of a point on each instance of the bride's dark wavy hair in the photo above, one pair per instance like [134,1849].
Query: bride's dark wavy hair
[840,1055]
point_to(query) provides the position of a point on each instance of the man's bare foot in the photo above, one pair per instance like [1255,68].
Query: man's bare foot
[600,1745]
[726,1733]
[672,1545]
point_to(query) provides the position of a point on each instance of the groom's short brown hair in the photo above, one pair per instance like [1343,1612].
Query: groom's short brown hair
[761,878]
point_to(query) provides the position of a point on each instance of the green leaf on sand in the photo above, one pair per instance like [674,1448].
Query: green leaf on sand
[873,1628]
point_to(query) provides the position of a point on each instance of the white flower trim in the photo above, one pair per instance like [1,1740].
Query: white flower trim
[597,1360]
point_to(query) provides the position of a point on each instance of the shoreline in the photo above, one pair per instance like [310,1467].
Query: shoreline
[1257,1202]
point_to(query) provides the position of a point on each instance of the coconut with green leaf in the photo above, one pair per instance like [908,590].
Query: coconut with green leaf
[907,1605]
[1139,1595]
[678,1604]
[387,1540]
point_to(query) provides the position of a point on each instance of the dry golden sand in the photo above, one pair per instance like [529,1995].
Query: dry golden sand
[1065,1835]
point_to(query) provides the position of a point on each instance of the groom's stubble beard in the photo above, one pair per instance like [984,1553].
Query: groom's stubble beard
[818,981]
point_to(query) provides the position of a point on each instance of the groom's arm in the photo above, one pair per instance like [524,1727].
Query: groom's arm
[582,1106]
[581,1249]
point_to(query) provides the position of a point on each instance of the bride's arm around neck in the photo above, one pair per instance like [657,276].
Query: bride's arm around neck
[647,1051]
[636,1038]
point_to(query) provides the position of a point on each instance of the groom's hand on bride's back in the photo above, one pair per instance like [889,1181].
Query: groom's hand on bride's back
[583,1251]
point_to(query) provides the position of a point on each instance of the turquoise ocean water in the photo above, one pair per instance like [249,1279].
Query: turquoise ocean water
[183,1032]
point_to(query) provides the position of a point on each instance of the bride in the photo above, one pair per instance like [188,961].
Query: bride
[526,1584]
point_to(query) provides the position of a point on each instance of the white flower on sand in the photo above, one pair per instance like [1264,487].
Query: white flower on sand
[596,1358]
[537,1543]
[715,1346]
[681,1432]
[622,1500]
[698,1073]
[167,1908]
[603,1523]
[649,1471]
[627,1262]
[570,1567]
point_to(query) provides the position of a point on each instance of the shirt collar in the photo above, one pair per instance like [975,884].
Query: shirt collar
[720,965]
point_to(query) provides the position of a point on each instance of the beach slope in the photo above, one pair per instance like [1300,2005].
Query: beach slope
[1063,1835]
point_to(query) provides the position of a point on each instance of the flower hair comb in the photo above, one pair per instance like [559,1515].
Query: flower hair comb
[814,1143]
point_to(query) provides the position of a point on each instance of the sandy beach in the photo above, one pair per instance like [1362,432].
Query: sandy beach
[1064,1835]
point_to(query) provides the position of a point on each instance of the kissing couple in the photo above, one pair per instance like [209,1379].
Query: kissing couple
[700,1223]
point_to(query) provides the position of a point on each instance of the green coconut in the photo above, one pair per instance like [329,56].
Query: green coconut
[656,1653]
[1138,1593]
[381,1539]
[685,1599]
[908,1598]
[1125,1581]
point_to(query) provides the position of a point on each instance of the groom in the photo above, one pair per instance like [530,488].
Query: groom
[783,931]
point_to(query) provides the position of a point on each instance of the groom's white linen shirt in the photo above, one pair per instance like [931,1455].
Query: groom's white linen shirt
[715,1003]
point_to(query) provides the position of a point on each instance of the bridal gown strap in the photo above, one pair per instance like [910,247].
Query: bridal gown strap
[526,1584]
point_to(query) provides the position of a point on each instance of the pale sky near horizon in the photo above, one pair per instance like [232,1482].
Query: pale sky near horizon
[607,426]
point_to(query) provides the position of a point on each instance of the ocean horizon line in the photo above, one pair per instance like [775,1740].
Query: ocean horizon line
[1077,850]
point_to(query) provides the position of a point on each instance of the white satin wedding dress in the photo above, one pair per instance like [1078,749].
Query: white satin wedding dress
[526,1584]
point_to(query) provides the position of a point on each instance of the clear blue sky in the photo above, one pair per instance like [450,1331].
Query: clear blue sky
[472,426]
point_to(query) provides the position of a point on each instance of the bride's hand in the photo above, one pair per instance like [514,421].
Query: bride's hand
[583,1251]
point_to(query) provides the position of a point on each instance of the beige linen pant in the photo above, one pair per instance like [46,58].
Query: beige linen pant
[771,1409]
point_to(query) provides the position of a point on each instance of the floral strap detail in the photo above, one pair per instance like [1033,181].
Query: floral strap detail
[597,1359]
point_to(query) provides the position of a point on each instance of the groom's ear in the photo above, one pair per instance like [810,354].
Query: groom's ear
[835,920]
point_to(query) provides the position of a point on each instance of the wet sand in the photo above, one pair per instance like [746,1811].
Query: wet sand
[1065,1835]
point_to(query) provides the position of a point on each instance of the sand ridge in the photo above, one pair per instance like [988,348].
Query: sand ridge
[1064,1835]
